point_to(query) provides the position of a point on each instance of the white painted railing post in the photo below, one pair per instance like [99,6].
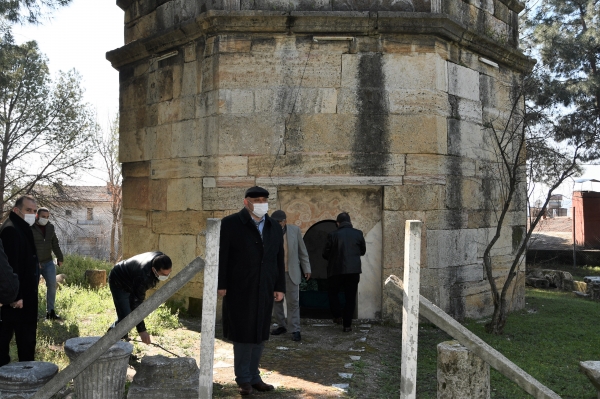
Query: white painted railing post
[209,308]
[410,309]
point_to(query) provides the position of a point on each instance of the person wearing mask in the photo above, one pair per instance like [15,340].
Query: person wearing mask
[343,250]
[296,265]
[46,242]
[131,278]
[251,276]
[20,317]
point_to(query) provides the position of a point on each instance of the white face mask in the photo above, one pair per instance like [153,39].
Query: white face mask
[29,218]
[42,221]
[160,276]
[260,209]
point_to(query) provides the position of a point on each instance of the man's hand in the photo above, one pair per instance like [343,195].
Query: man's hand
[221,293]
[145,337]
[307,276]
[18,304]
[59,263]
[278,296]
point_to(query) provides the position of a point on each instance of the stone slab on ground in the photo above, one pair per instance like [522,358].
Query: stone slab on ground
[160,377]
[592,370]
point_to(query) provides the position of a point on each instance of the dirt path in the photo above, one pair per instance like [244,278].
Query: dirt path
[327,363]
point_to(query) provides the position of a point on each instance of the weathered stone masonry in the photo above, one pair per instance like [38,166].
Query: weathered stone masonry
[387,123]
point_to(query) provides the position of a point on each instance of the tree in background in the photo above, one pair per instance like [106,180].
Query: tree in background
[45,127]
[556,113]
[108,149]
[528,152]
[21,11]
[564,35]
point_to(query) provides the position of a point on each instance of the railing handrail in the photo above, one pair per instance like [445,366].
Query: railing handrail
[495,359]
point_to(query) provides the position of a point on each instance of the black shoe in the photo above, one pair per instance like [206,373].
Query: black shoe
[347,329]
[51,315]
[296,336]
[279,331]
[245,388]
[261,386]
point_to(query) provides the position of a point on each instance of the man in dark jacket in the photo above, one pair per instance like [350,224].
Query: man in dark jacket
[343,250]
[251,275]
[131,278]
[9,281]
[20,318]
[46,242]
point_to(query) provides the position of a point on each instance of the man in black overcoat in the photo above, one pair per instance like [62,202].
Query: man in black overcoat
[343,250]
[251,276]
[20,317]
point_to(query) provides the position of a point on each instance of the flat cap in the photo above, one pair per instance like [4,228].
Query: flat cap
[255,192]
[279,215]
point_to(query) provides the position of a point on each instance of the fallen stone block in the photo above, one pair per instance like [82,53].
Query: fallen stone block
[460,373]
[23,379]
[591,369]
[160,377]
[104,378]
[537,282]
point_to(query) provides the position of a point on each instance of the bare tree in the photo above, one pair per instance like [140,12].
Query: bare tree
[45,127]
[530,149]
[108,149]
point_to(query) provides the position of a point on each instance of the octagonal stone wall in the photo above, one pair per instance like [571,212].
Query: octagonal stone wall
[315,102]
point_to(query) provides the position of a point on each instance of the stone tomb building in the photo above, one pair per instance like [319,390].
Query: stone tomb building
[377,108]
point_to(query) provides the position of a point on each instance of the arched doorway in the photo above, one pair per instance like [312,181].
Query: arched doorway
[313,293]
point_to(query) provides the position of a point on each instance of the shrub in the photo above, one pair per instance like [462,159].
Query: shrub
[75,266]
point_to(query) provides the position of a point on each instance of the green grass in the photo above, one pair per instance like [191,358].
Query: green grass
[85,312]
[75,266]
[547,339]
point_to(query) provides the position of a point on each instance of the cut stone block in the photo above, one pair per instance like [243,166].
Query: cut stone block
[105,378]
[23,379]
[460,373]
[160,377]
[592,370]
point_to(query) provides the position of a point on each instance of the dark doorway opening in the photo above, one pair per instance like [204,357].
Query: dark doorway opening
[313,293]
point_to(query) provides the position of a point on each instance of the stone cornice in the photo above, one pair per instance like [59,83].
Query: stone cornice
[124,4]
[365,23]
[514,5]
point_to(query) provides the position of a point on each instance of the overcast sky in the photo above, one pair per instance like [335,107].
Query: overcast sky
[78,36]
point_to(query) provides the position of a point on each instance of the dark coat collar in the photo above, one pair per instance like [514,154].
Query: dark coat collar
[345,224]
[18,221]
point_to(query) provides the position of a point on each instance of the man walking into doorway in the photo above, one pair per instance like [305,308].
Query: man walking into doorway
[296,264]
[46,242]
[343,250]
[251,275]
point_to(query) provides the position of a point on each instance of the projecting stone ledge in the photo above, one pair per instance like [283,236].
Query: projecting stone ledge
[160,377]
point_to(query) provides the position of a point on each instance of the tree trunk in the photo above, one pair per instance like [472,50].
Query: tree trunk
[496,325]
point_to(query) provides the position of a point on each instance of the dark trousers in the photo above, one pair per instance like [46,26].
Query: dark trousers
[246,358]
[122,301]
[24,332]
[349,284]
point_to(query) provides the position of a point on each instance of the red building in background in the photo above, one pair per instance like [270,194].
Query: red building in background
[586,211]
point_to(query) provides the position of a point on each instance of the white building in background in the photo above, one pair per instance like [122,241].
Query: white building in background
[83,220]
